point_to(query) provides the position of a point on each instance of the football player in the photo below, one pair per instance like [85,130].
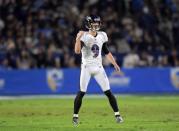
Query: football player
[91,44]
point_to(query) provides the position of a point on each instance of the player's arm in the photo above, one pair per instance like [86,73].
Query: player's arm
[78,42]
[110,56]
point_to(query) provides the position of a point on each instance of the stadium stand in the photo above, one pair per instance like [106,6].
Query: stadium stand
[41,33]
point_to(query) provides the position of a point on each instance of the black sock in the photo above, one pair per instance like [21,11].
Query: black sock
[78,101]
[112,100]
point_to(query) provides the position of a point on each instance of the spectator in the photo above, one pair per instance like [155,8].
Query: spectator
[131,60]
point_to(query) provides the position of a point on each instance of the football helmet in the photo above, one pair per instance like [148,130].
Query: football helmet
[93,22]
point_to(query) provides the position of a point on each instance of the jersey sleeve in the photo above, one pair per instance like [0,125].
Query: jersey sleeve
[82,39]
[105,48]
[105,37]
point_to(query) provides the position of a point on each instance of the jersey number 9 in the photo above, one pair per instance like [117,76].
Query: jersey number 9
[95,50]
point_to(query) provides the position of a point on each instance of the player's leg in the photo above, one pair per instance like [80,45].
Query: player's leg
[84,80]
[113,103]
[103,81]
[77,105]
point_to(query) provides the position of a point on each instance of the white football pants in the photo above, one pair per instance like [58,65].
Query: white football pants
[99,74]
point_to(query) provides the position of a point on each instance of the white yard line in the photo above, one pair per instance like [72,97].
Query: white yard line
[91,96]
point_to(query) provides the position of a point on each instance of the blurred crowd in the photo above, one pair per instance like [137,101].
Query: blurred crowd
[41,33]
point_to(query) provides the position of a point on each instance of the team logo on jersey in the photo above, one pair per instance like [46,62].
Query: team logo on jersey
[119,79]
[54,79]
[174,75]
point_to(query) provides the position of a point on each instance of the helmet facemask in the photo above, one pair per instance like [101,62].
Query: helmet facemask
[95,26]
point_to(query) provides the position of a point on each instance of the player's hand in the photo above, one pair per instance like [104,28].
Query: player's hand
[79,35]
[117,68]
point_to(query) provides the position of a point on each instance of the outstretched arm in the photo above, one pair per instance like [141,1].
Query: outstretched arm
[78,42]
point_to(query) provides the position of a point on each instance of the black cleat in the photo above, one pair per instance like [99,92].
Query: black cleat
[75,121]
[119,119]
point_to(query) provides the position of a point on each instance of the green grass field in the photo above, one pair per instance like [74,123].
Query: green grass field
[140,113]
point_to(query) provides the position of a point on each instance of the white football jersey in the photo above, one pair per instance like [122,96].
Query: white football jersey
[91,51]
